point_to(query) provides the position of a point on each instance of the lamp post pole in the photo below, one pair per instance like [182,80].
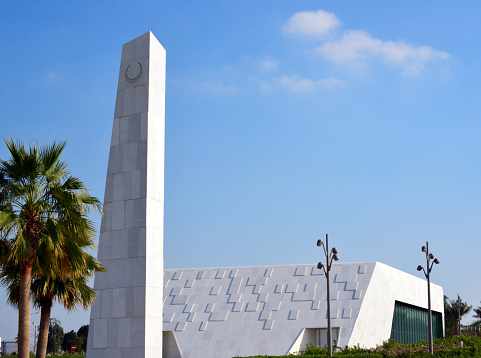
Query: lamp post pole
[430,314]
[34,338]
[427,273]
[329,328]
[330,255]
[459,315]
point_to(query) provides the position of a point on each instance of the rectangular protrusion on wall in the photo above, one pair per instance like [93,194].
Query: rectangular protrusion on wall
[315,305]
[200,275]
[340,278]
[357,294]
[268,272]
[334,313]
[234,298]
[203,325]
[234,286]
[268,324]
[191,317]
[252,306]
[257,289]
[300,271]
[362,269]
[346,312]
[175,291]
[209,308]
[180,326]
[261,280]
[166,282]
[238,307]
[233,273]
[303,296]
[167,317]
[273,306]
[293,314]
[292,287]
[214,290]
[189,283]
[188,308]
[262,297]
[220,274]
[315,271]
[177,275]
[334,295]
[265,315]
[279,288]
[180,300]
[168,275]
[218,316]
[351,286]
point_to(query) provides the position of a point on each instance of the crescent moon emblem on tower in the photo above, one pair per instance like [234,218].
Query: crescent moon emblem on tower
[136,70]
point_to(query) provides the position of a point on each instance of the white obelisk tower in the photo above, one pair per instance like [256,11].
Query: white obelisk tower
[126,318]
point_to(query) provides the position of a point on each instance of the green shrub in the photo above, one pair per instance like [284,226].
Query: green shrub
[443,348]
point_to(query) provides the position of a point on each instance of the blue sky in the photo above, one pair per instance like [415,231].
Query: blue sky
[284,120]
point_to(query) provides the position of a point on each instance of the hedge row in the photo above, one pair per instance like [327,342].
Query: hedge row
[461,353]
[443,348]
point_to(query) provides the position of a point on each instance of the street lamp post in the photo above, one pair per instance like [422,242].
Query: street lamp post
[459,315]
[332,255]
[427,273]
[34,338]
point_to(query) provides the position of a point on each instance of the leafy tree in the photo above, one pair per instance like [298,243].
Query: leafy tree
[82,334]
[39,202]
[451,314]
[55,336]
[69,339]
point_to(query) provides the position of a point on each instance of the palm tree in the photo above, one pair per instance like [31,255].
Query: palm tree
[451,315]
[477,315]
[40,201]
[69,289]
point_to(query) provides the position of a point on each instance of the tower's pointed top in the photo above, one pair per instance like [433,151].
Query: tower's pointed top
[140,46]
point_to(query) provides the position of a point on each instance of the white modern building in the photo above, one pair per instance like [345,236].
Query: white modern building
[142,311]
[276,310]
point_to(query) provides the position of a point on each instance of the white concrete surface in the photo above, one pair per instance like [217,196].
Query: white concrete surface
[274,310]
[126,319]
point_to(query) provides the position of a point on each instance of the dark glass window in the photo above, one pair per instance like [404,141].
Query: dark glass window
[410,323]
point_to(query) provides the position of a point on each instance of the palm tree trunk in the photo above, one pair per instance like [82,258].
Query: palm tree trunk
[24,305]
[43,329]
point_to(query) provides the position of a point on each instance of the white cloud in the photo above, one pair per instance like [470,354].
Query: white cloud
[269,65]
[296,83]
[311,23]
[357,46]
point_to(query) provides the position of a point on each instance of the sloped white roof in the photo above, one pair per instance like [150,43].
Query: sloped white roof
[226,312]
